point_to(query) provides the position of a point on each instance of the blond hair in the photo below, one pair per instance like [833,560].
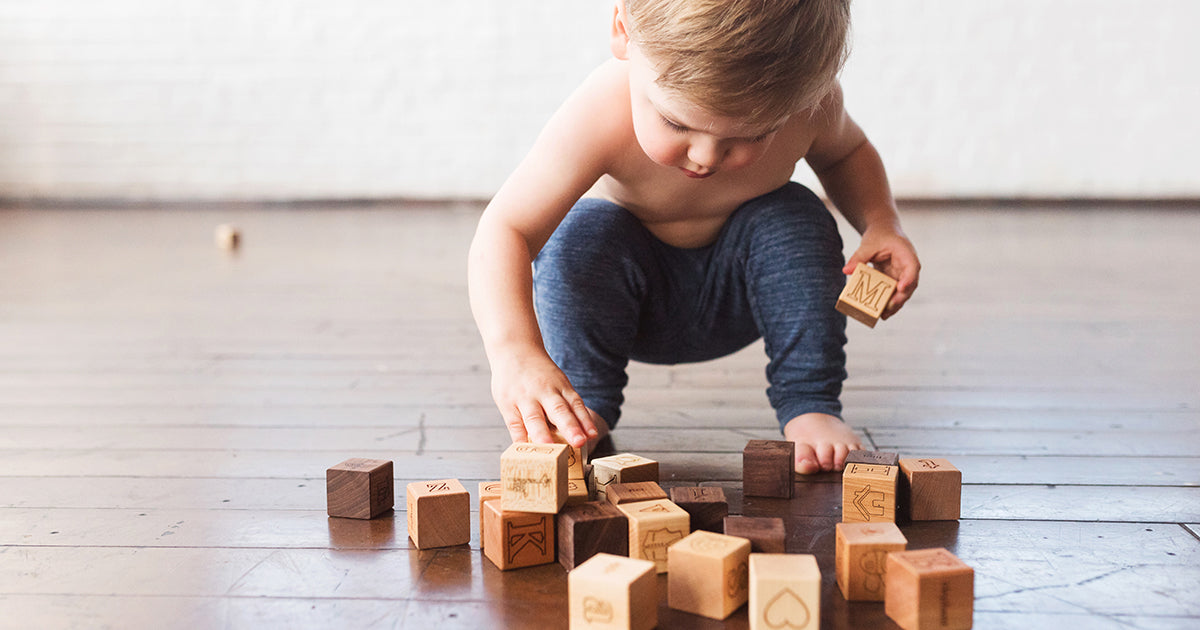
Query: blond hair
[759,59]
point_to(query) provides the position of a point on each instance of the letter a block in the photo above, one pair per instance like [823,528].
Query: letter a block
[614,592]
[767,467]
[534,478]
[623,468]
[869,493]
[359,488]
[929,589]
[931,489]
[516,539]
[439,513]
[861,554]
[590,528]
[654,526]
[866,294]
[785,592]
[708,574]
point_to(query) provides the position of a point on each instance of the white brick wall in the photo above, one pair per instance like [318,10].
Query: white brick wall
[213,99]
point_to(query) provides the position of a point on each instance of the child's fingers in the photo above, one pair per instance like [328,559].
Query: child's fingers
[534,419]
[515,425]
[569,424]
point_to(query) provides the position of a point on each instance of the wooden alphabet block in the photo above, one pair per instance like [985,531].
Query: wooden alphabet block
[610,591]
[866,294]
[767,467]
[534,477]
[654,526]
[706,505]
[618,493]
[766,534]
[869,493]
[881,458]
[861,558]
[590,528]
[930,489]
[576,457]
[623,468]
[708,574]
[439,513]
[359,488]
[785,592]
[577,492]
[929,589]
[516,539]
[488,490]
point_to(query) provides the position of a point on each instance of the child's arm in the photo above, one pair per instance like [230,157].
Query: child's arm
[853,176]
[529,389]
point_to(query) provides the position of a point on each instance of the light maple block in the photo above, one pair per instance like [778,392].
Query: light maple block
[534,477]
[708,574]
[931,489]
[488,490]
[577,492]
[359,488]
[623,468]
[929,589]
[439,513]
[861,558]
[576,457]
[866,294]
[869,493]
[516,539]
[785,592]
[653,527]
[610,591]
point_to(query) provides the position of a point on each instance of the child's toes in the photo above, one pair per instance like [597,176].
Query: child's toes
[840,452]
[825,454]
[807,462]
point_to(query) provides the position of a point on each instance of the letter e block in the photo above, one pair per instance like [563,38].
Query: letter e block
[869,493]
[765,533]
[534,478]
[610,591]
[931,489]
[516,539]
[706,505]
[359,488]
[623,468]
[866,294]
[590,528]
[767,467]
[708,574]
[861,558]
[439,513]
[785,592]
[654,526]
[929,589]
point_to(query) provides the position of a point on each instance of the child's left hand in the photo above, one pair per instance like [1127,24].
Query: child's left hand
[889,251]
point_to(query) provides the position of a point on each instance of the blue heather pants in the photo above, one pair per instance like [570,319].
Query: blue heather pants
[606,290]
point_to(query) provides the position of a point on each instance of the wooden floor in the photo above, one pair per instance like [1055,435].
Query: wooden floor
[167,412]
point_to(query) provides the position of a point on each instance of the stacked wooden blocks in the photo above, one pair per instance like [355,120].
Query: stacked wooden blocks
[623,468]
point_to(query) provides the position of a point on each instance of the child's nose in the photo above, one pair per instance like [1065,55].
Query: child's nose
[706,154]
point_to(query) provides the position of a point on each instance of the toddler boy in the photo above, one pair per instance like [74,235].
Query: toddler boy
[657,212]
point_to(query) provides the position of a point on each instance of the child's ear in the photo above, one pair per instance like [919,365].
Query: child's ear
[620,32]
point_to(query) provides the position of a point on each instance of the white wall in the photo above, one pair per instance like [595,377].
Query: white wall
[214,99]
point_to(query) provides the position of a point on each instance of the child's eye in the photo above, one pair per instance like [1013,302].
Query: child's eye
[757,139]
[673,126]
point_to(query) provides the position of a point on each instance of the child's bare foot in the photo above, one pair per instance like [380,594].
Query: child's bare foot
[822,442]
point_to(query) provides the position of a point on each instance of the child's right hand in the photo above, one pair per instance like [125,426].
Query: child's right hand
[533,395]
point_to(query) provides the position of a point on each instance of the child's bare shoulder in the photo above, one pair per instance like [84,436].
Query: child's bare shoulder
[598,110]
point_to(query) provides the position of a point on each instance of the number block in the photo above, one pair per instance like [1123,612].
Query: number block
[654,526]
[708,574]
[488,490]
[534,477]
[590,528]
[439,513]
[767,467]
[785,592]
[929,589]
[869,493]
[881,458]
[516,539]
[706,505]
[610,591]
[359,488]
[623,468]
[861,558]
[866,294]
[618,493]
[930,489]
[766,534]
